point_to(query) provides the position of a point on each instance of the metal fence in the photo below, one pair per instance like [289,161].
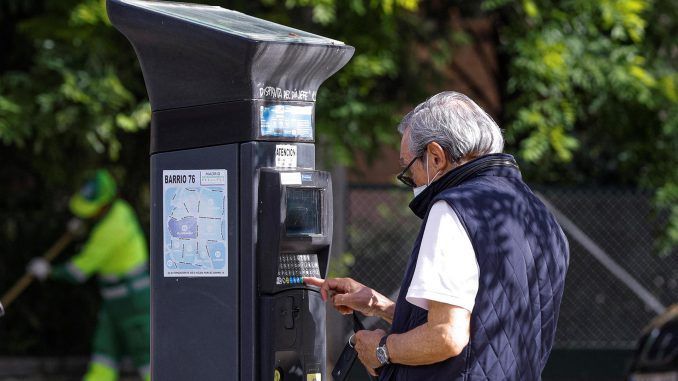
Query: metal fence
[616,280]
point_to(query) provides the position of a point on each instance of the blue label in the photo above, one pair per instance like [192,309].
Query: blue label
[287,121]
[306,177]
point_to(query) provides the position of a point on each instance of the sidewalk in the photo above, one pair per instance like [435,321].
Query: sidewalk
[51,369]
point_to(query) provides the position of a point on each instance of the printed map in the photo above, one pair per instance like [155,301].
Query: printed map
[195,223]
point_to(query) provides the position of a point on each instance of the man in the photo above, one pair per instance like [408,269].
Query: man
[116,250]
[481,294]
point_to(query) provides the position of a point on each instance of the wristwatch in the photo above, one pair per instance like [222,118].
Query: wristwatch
[382,352]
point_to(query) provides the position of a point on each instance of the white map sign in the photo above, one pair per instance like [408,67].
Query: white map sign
[195,223]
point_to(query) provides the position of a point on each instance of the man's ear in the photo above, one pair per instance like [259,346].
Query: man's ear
[438,158]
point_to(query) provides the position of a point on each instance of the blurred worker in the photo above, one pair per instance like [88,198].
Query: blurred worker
[117,252]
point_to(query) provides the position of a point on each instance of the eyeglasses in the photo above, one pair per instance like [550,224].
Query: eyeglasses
[407,180]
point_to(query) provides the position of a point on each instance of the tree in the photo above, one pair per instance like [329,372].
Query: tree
[591,93]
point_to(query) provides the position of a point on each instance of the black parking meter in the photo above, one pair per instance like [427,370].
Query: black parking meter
[239,214]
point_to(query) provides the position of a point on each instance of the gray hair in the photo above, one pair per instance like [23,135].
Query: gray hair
[453,120]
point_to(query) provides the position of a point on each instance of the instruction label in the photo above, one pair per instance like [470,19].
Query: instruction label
[286,121]
[195,223]
[285,156]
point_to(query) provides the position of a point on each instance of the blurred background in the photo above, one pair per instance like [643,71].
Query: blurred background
[585,91]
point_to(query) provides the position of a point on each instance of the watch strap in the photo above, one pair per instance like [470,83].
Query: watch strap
[382,346]
[382,342]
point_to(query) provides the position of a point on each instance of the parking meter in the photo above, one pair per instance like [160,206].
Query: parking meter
[239,214]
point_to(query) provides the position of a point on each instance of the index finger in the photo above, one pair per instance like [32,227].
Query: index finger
[341,285]
[318,282]
[312,281]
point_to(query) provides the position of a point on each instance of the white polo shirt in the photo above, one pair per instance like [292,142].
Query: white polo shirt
[447,270]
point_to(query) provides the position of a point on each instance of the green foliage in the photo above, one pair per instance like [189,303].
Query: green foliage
[340,267]
[592,92]
[73,90]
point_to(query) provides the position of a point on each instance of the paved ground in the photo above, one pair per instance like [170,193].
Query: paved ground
[50,369]
[56,378]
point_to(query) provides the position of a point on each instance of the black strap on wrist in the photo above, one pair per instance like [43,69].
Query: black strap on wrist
[382,342]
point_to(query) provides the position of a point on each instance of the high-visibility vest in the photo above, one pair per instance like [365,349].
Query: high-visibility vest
[116,247]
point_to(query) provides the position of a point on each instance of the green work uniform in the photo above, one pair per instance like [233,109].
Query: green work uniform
[117,252]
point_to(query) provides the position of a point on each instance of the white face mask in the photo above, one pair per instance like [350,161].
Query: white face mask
[418,190]
[421,188]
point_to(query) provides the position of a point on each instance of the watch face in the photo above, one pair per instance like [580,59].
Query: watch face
[382,356]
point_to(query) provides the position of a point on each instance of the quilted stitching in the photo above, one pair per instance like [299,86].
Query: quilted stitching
[522,268]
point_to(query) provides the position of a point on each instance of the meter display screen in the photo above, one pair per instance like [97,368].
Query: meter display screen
[303,211]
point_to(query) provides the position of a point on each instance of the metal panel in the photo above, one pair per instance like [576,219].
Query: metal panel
[255,155]
[194,334]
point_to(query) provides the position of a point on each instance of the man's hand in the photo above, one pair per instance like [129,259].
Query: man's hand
[348,295]
[39,268]
[366,343]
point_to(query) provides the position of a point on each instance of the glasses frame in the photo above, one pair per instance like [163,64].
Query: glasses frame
[407,180]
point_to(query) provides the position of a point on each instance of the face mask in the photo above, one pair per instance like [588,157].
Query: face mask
[417,191]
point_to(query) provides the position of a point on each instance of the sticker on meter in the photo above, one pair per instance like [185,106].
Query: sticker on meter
[286,121]
[195,223]
[290,178]
[285,156]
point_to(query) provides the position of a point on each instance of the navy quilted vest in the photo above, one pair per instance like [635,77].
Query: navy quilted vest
[523,256]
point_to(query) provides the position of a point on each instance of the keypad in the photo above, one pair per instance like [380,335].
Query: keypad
[293,267]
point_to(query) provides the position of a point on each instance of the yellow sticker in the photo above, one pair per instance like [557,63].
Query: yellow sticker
[314,377]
